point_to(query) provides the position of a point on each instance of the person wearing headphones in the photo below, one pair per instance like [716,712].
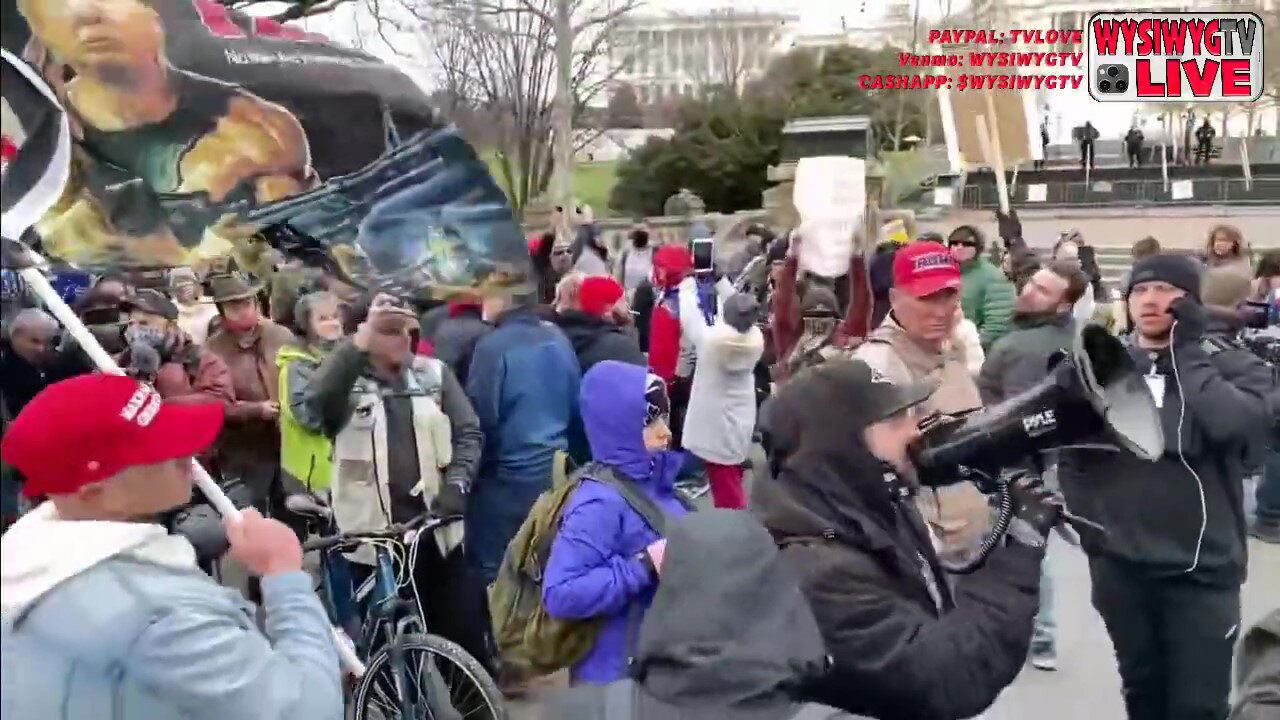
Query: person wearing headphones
[1167,574]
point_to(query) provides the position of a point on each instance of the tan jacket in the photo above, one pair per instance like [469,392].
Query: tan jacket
[958,514]
[247,440]
[889,350]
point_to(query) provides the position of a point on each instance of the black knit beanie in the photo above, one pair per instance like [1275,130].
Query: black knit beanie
[1177,270]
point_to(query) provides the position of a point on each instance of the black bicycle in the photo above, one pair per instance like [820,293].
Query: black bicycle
[409,673]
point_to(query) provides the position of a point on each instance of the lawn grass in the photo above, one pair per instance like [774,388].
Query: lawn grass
[592,181]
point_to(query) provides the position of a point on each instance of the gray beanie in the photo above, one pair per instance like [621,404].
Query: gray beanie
[741,311]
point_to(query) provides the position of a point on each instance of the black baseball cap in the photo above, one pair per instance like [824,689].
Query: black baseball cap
[868,388]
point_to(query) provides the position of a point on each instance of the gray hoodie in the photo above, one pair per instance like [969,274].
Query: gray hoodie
[1258,671]
[729,634]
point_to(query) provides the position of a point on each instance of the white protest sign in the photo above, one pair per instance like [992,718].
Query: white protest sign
[1037,193]
[830,196]
[1181,190]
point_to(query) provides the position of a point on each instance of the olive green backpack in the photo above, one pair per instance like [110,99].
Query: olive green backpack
[531,642]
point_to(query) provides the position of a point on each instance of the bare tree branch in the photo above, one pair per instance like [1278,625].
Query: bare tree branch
[494,67]
[294,9]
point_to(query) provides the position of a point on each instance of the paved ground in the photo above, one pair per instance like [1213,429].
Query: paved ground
[1086,686]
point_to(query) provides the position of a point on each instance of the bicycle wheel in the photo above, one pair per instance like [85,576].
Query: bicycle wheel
[430,661]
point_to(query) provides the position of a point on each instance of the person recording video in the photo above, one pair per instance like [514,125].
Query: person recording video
[906,640]
[1167,574]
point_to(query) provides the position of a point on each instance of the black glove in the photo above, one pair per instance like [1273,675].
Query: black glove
[202,527]
[144,362]
[1191,320]
[1009,226]
[1036,509]
[450,501]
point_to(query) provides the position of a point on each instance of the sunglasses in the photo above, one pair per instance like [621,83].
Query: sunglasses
[962,243]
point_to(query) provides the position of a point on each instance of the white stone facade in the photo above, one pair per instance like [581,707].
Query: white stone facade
[672,55]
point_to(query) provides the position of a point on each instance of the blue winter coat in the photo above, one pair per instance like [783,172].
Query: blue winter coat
[523,382]
[594,569]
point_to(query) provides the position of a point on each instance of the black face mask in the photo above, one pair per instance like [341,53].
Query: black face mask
[110,336]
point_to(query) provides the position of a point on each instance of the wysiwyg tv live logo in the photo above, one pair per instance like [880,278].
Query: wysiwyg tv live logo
[1175,57]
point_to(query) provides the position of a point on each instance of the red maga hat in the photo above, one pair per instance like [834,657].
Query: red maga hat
[924,268]
[86,429]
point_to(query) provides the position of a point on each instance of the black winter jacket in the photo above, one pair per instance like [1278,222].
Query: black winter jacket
[595,339]
[905,645]
[1184,512]
[1020,359]
[454,338]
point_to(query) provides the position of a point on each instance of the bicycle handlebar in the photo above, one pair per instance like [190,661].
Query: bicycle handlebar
[422,523]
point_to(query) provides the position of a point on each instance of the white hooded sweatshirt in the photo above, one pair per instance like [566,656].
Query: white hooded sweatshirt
[41,551]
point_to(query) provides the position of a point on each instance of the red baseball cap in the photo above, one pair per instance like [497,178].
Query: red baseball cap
[924,268]
[79,431]
[599,293]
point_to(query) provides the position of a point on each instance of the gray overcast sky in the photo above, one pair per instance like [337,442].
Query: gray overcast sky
[352,23]
[816,16]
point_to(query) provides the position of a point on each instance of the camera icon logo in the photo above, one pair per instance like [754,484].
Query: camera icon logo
[1112,79]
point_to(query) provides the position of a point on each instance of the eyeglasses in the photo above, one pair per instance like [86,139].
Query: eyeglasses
[962,243]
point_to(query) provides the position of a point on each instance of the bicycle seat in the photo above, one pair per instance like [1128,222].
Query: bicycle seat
[307,504]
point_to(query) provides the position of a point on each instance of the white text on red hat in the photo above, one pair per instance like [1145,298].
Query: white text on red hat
[144,395]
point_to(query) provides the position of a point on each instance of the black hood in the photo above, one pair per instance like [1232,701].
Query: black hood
[584,329]
[825,479]
[729,630]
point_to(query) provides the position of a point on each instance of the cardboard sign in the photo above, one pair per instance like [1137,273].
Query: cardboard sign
[1015,126]
[831,197]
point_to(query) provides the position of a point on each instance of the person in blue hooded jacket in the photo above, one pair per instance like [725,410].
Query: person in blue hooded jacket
[605,558]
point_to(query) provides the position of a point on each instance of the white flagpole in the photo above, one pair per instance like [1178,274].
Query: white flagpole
[1244,163]
[993,162]
[1164,167]
[995,156]
[1088,165]
[39,284]
[56,305]
[20,217]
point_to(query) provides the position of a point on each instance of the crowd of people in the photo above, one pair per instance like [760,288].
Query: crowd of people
[647,372]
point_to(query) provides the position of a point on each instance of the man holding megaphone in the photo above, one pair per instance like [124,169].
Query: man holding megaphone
[1167,574]
[906,639]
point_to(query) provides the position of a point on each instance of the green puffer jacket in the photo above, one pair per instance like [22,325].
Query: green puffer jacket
[986,299]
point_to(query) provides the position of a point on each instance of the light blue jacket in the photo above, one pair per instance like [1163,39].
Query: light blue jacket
[128,639]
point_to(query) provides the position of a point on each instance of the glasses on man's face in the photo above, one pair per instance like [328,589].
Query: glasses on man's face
[962,243]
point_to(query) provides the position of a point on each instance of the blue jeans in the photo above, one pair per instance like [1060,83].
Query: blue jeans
[1046,628]
[496,509]
[1269,489]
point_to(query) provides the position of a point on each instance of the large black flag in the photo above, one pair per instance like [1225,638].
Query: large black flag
[199,133]
[35,147]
